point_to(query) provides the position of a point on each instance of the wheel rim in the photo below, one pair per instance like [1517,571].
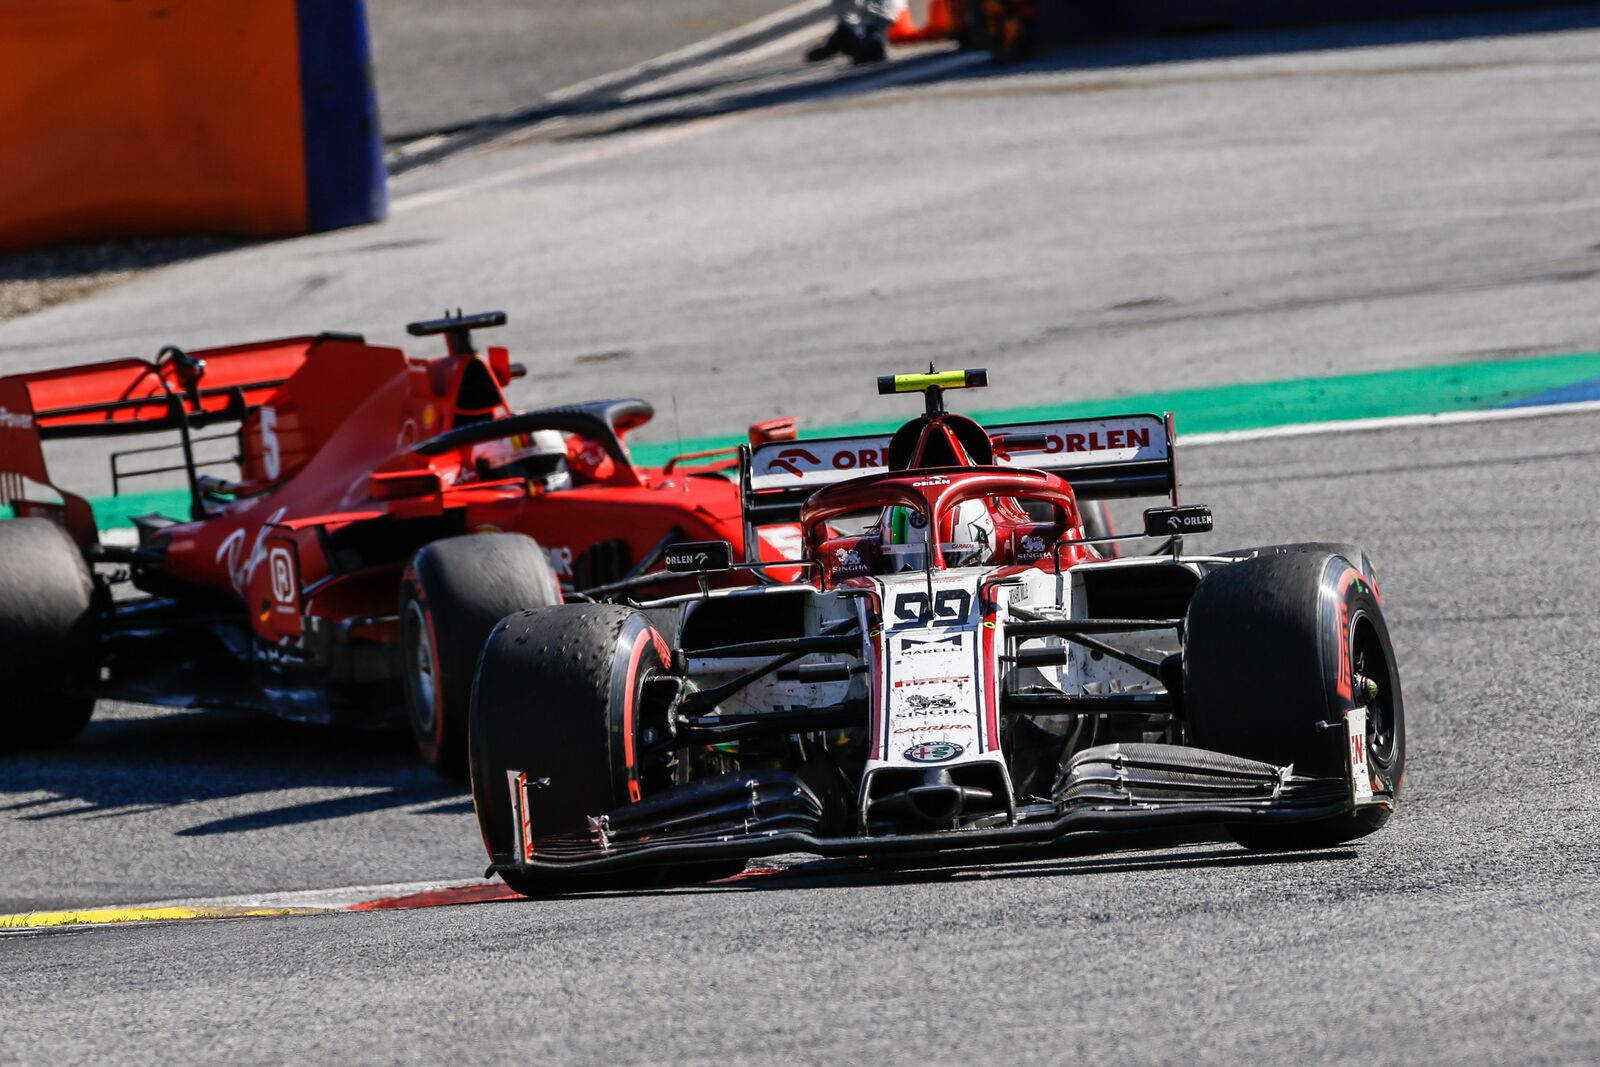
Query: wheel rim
[1367,659]
[422,677]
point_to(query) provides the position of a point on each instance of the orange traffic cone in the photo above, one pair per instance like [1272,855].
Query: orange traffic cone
[904,30]
[946,18]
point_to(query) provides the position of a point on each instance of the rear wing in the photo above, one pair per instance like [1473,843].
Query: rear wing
[179,391]
[1101,458]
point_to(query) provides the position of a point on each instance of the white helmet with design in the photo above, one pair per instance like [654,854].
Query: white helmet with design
[972,535]
[540,457]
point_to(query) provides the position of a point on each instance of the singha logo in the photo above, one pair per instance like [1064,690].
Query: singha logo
[847,557]
[1032,546]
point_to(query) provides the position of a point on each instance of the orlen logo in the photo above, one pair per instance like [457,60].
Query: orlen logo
[10,420]
[1095,441]
[846,459]
[784,461]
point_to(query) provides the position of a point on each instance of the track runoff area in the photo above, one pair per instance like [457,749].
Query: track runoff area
[1438,396]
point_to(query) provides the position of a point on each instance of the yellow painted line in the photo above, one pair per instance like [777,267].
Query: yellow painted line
[98,916]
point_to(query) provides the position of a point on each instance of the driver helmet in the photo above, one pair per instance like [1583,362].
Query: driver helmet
[970,539]
[540,457]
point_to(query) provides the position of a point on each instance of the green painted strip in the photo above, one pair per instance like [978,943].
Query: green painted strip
[1246,406]
[113,511]
[1257,405]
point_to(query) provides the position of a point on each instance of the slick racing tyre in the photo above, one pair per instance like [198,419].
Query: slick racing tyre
[559,696]
[49,636]
[452,595]
[1354,553]
[1270,649]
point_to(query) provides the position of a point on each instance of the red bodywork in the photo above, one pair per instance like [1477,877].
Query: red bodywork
[337,487]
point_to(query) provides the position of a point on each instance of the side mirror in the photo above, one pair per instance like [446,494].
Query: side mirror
[781,429]
[1171,522]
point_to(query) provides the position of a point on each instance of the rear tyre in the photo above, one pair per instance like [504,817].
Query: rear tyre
[452,595]
[49,636]
[560,696]
[1271,644]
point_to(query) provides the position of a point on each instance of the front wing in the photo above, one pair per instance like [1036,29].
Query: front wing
[1112,788]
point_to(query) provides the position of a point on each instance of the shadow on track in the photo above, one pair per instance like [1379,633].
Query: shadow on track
[1125,853]
[130,762]
[720,96]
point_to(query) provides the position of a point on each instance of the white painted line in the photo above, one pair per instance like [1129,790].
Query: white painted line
[694,51]
[792,42]
[335,899]
[1390,422]
[686,54]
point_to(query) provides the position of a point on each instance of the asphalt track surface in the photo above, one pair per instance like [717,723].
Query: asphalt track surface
[440,65]
[757,237]
[1328,211]
[1468,931]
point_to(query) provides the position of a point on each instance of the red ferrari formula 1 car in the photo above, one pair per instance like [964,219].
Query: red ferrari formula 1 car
[381,515]
[960,667]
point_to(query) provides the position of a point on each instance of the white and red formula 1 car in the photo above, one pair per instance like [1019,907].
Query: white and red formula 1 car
[958,667]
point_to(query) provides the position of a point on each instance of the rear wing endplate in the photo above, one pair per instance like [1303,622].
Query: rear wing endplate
[1116,456]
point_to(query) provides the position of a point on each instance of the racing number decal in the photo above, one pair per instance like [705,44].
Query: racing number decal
[950,607]
[271,453]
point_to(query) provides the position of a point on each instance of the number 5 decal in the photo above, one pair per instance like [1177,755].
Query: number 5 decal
[271,454]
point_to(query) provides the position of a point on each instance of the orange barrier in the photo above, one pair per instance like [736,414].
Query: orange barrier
[148,117]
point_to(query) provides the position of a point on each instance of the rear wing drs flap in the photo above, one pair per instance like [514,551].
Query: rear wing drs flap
[183,392]
[1115,456]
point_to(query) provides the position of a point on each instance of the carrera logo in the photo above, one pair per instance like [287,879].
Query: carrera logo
[10,420]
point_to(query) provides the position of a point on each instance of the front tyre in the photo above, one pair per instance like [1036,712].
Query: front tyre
[49,636]
[561,695]
[452,595]
[1277,643]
